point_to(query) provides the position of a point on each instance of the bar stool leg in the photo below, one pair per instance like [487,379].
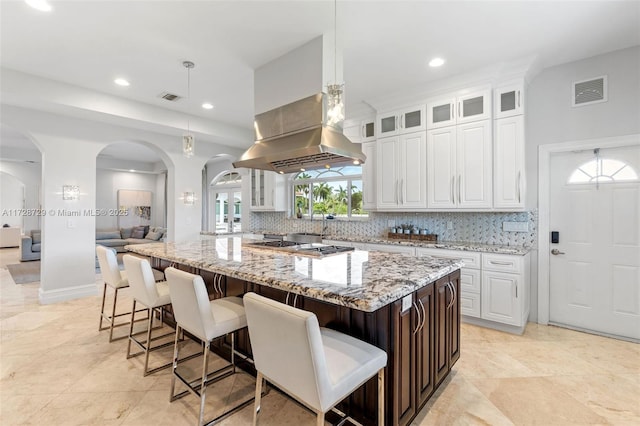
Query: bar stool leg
[233,351]
[104,296]
[148,345]
[113,315]
[203,386]
[133,314]
[381,397]
[256,405]
[175,364]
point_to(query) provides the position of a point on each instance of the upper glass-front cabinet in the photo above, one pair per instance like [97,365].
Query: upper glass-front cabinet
[402,121]
[465,108]
[509,100]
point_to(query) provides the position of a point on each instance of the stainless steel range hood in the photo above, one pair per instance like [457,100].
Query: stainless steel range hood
[296,136]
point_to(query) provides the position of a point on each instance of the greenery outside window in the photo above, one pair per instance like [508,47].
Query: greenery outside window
[335,191]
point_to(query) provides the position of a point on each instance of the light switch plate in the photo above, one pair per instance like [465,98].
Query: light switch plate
[515,226]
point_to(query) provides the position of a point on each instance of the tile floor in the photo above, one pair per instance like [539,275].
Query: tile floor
[58,370]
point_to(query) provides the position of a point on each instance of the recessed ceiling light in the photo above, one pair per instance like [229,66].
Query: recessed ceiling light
[121,82]
[207,105]
[42,5]
[436,62]
[132,171]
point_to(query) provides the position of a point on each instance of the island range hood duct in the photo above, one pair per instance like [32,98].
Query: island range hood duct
[297,137]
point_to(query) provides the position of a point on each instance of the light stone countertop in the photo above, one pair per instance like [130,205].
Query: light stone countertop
[363,280]
[449,245]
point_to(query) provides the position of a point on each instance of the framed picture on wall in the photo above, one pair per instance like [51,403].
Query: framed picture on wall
[137,205]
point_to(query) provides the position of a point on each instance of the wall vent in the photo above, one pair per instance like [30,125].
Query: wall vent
[169,96]
[591,91]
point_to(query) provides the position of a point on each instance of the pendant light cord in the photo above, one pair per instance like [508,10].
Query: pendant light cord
[335,41]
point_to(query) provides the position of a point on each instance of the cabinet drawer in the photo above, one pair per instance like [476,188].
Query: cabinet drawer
[470,304]
[409,251]
[502,263]
[470,280]
[471,259]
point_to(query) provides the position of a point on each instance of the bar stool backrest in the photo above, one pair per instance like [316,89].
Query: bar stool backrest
[108,266]
[141,280]
[287,349]
[190,301]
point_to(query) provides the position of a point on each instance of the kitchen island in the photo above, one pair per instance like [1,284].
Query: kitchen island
[407,306]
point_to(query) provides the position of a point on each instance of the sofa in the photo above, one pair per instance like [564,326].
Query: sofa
[118,238]
[30,245]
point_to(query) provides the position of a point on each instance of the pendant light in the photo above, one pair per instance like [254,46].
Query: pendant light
[335,107]
[188,142]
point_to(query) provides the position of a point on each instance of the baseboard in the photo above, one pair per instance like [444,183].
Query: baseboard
[492,324]
[68,293]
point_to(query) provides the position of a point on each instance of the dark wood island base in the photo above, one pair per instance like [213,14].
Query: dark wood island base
[420,333]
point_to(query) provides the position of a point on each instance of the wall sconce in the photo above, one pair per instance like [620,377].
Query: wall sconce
[189,198]
[70,192]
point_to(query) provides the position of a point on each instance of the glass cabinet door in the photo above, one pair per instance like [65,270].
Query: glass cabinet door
[412,119]
[508,101]
[387,124]
[474,106]
[440,113]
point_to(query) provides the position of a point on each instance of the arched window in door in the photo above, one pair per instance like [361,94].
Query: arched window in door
[227,203]
[602,170]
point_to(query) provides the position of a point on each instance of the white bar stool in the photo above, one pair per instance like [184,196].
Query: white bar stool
[207,320]
[317,366]
[152,295]
[115,279]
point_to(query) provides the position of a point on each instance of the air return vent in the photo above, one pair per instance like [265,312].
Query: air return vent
[169,96]
[590,91]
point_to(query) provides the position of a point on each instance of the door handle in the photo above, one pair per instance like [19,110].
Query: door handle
[424,314]
[556,252]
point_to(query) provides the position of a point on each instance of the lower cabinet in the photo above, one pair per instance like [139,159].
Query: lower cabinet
[426,345]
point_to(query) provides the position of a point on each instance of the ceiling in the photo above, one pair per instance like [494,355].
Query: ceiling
[387,44]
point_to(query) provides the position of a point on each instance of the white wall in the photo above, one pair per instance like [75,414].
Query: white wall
[108,182]
[29,175]
[11,200]
[551,119]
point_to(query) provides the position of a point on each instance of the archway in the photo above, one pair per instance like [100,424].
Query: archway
[21,180]
[223,192]
[131,187]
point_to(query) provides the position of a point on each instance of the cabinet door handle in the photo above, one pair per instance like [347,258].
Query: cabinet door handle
[453,189]
[459,189]
[396,118]
[286,301]
[402,121]
[455,294]
[450,302]
[452,113]
[362,134]
[419,320]
[497,262]
[518,99]
[424,314]
[396,192]
[295,300]
[518,186]
[516,291]
[401,191]
[459,105]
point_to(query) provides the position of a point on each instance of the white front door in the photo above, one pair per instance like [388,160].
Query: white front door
[595,267]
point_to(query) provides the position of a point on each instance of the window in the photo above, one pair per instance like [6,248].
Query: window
[603,170]
[336,191]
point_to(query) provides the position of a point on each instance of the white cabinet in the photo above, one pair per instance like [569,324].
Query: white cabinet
[360,130]
[459,165]
[401,172]
[470,276]
[508,100]
[509,163]
[268,192]
[505,288]
[401,121]
[459,108]
[369,176]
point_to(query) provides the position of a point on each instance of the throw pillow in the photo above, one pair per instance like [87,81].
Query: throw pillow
[154,236]
[138,232]
[125,233]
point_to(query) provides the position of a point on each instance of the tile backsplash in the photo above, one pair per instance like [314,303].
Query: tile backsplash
[482,228]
